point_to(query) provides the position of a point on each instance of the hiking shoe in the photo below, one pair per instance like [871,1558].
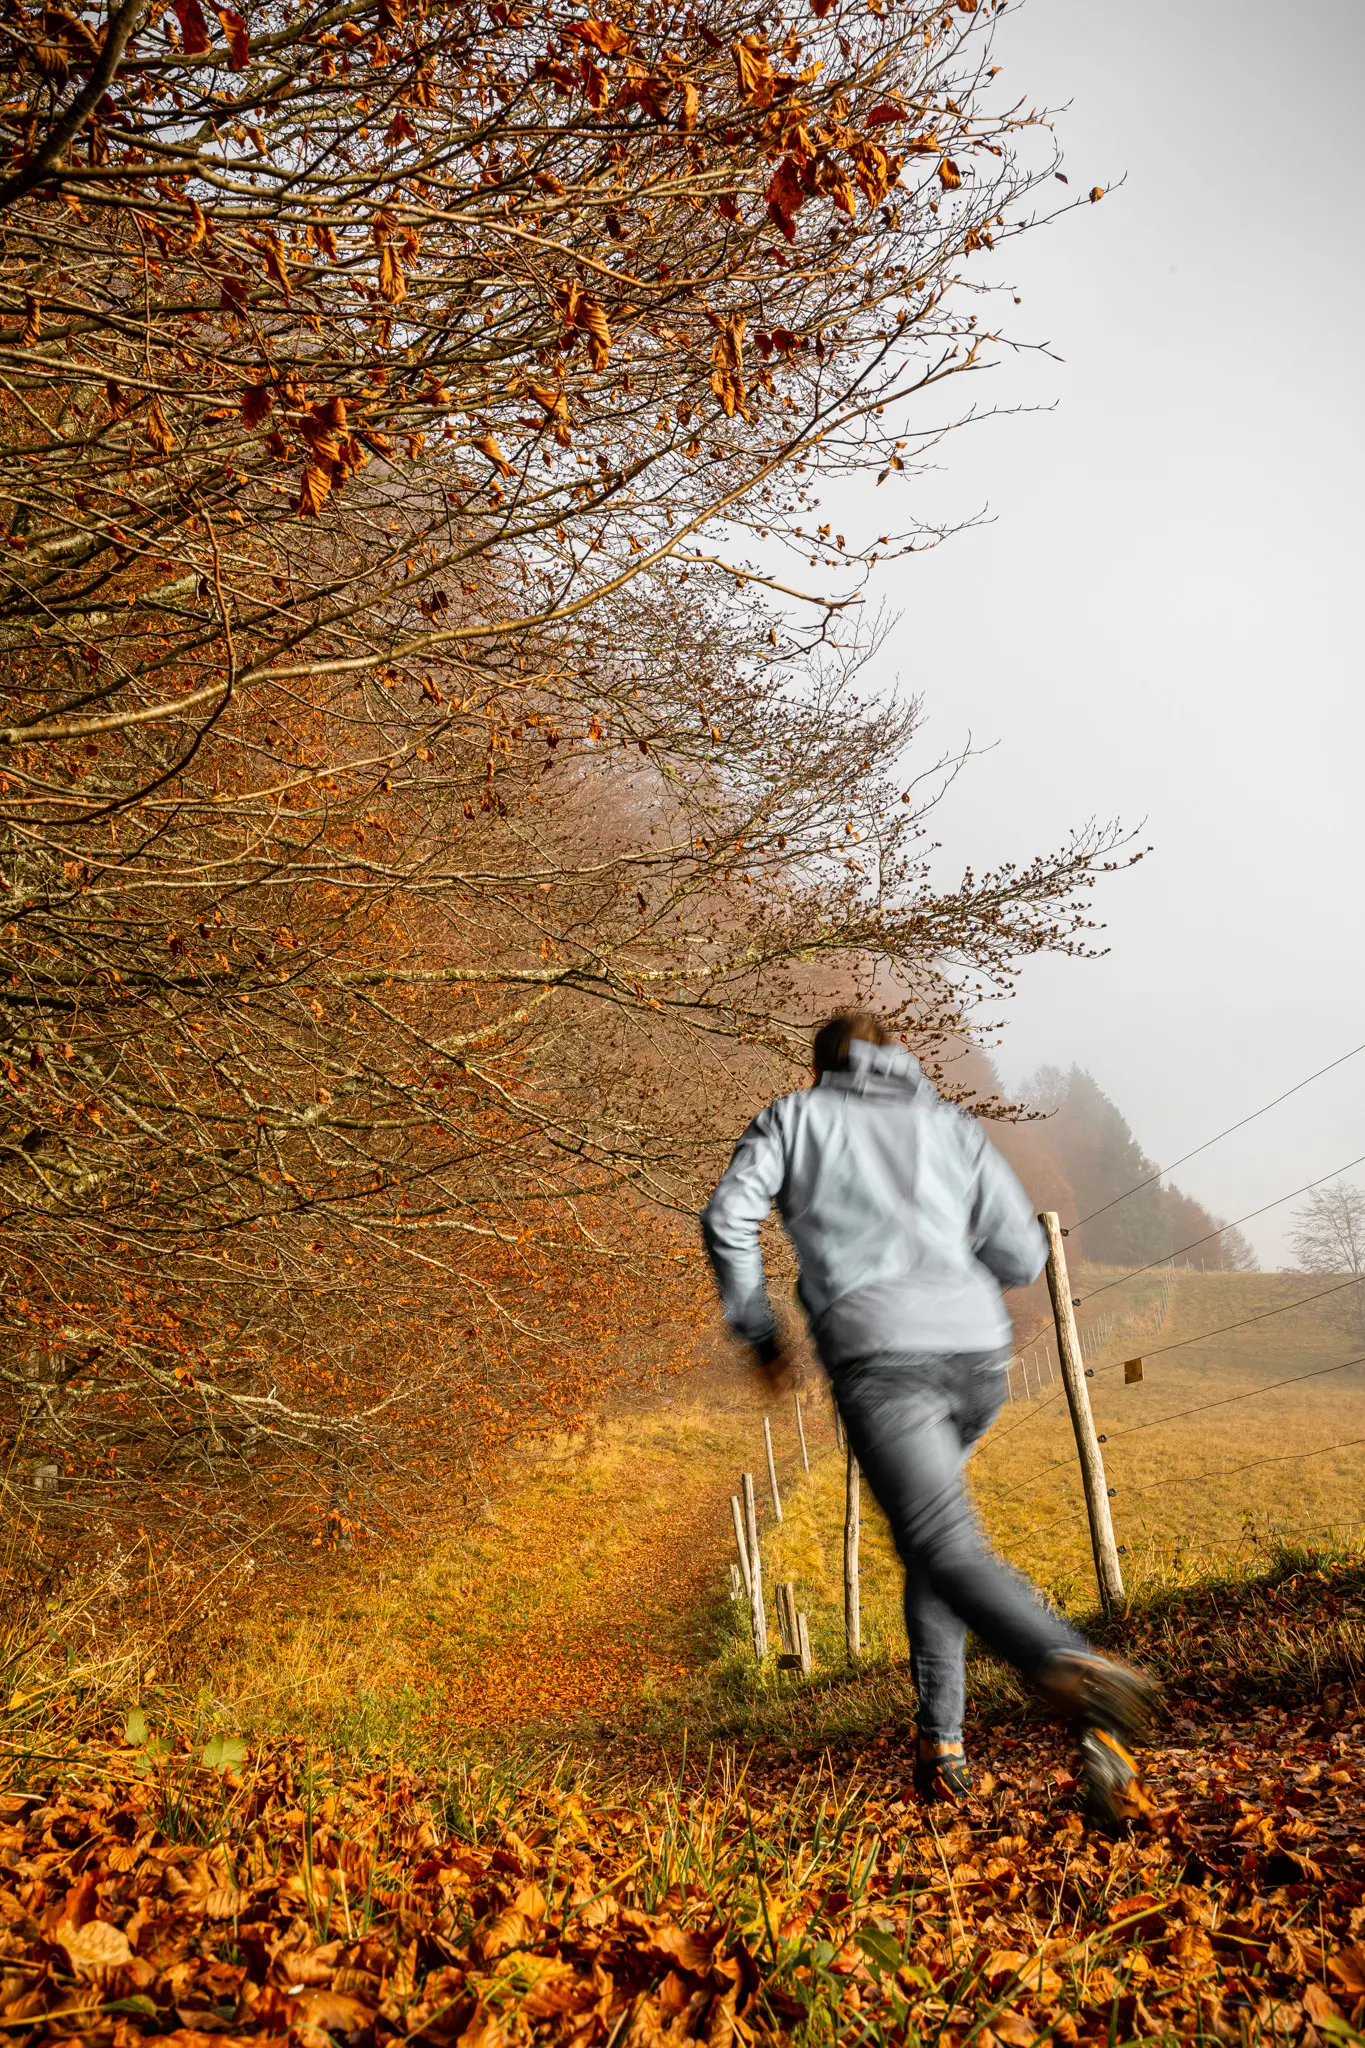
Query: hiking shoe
[1115,1796]
[1098,1693]
[942,1778]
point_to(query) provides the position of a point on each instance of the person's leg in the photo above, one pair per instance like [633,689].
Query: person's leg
[938,1641]
[909,1419]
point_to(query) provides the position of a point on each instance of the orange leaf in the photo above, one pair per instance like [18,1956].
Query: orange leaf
[753,70]
[487,444]
[949,176]
[314,490]
[234,28]
[33,321]
[603,35]
[158,433]
[1348,1967]
[392,285]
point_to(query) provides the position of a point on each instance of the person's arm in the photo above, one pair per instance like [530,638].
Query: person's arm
[730,1224]
[1006,1235]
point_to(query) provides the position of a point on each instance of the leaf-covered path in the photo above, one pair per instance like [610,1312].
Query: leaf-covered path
[589,1586]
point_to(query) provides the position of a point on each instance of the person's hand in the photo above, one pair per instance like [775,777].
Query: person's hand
[776,1361]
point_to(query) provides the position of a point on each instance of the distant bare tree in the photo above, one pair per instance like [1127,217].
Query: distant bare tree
[1329,1236]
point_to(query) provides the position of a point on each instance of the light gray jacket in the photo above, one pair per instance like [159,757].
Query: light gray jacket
[906,1220]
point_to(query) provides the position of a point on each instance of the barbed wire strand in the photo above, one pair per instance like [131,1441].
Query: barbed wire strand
[1181,1344]
[1201,1408]
[1210,1234]
[1238,1126]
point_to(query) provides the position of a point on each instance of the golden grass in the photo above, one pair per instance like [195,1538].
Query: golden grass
[594,1598]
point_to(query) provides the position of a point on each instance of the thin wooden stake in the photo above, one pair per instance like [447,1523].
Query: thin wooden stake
[801,1432]
[838,1423]
[786,1616]
[1070,1358]
[757,1618]
[772,1469]
[803,1645]
[853,1624]
[740,1544]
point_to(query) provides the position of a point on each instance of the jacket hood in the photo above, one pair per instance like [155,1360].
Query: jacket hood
[879,1070]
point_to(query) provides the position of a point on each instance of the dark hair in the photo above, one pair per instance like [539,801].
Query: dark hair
[830,1049]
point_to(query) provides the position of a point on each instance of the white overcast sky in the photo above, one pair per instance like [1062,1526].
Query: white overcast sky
[1161,622]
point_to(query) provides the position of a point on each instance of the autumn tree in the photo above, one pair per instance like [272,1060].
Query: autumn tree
[414,828]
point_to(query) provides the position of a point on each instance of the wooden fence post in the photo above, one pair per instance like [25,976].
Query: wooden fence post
[1069,1357]
[757,1616]
[838,1422]
[801,1432]
[853,1624]
[772,1469]
[741,1544]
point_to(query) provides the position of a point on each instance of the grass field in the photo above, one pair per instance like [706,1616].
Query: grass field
[591,1601]
[462,1746]
[1195,1493]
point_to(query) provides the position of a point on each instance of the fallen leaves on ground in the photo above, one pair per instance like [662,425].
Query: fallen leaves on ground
[297,1905]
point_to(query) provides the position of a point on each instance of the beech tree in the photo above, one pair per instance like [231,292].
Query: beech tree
[415,827]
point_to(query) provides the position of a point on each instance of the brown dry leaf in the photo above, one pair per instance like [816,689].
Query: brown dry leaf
[663,1941]
[727,358]
[483,2031]
[949,176]
[193,27]
[1320,2006]
[272,251]
[687,112]
[314,490]
[753,70]
[487,444]
[591,317]
[1191,1952]
[316,1967]
[94,1948]
[1011,2027]
[531,1901]
[1348,1967]
[1003,1962]
[257,400]
[392,283]
[33,321]
[788,190]
[158,433]
[323,239]
[234,28]
[336,2012]
[604,36]
[508,1930]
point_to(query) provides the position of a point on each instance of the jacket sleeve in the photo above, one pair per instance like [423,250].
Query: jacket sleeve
[1006,1235]
[730,1225]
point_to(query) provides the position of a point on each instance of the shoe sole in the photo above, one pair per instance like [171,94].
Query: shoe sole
[1116,1797]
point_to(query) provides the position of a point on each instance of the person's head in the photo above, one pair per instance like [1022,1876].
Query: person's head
[829,1053]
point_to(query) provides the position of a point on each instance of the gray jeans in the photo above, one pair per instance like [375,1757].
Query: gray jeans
[912,1419]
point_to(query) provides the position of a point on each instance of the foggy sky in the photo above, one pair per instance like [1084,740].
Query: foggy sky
[1162,621]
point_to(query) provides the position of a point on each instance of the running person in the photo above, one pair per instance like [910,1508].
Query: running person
[907,1224]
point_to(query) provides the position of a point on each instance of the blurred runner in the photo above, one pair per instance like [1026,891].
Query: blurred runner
[907,1224]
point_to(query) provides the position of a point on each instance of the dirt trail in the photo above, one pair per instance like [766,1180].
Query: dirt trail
[602,1571]
[591,1586]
